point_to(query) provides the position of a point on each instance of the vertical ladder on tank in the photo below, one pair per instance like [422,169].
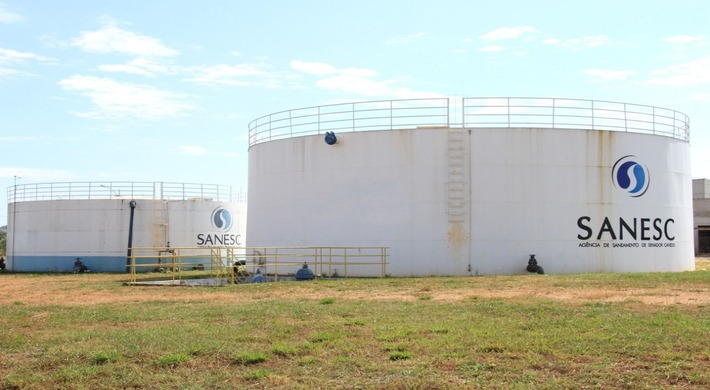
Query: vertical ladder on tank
[457,183]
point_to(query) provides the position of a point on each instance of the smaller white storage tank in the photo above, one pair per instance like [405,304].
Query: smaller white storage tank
[51,224]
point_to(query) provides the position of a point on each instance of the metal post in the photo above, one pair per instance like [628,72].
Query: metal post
[653,117]
[508,104]
[173,268]
[290,123]
[132,269]
[554,103]
[276,264]
[318,266]
[132,204]
[463,112]
[14,219]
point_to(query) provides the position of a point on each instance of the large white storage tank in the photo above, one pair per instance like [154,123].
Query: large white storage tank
[51,224]
[477,186]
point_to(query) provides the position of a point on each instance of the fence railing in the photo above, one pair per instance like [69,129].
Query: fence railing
[471,112]
[121,190]
[177,264]
[561,113]
[358,116]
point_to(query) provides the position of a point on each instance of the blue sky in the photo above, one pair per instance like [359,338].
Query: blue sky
[164,90]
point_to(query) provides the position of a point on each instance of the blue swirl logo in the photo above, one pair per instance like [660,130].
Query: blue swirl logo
[631,176]
[222,219]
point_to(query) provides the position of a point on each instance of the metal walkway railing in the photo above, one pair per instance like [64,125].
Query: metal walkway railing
[121,190]
[471,112]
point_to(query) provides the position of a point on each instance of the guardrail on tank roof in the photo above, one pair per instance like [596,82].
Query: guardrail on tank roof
[122,190]
[471,112]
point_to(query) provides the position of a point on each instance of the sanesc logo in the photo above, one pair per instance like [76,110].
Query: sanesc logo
[222,219]
[633,178]
[630,176]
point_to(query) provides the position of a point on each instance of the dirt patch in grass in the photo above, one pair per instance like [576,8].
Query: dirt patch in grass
[18,289]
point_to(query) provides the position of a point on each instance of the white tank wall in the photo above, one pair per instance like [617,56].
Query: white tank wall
[47,235]
[479,201]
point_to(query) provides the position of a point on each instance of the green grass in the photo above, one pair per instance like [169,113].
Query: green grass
[105,357]
[173,359]
[250,358]
[286,335]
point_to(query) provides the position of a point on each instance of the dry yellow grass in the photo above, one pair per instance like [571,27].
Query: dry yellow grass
[107,288]
[522,331]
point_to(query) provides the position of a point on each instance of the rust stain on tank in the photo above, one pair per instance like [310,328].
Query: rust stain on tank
[157,234]
[601,145]
[457,236]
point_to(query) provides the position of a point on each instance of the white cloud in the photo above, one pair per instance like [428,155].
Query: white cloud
[145,49]
[240,75]
[34,174]
[595,40]
[9,72]
[358,72]
[354,84]
[507,33]
[9,16]
[608,74]
[20,138]
[357,81]
[14,56]
[408,39]
[683,39]
[114,99]
[588,41]
[689,73]
[320,68]
[700,97]
[316,68]
[492,48]
[192,150]
[139,66]
[124,68]
[112,39]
